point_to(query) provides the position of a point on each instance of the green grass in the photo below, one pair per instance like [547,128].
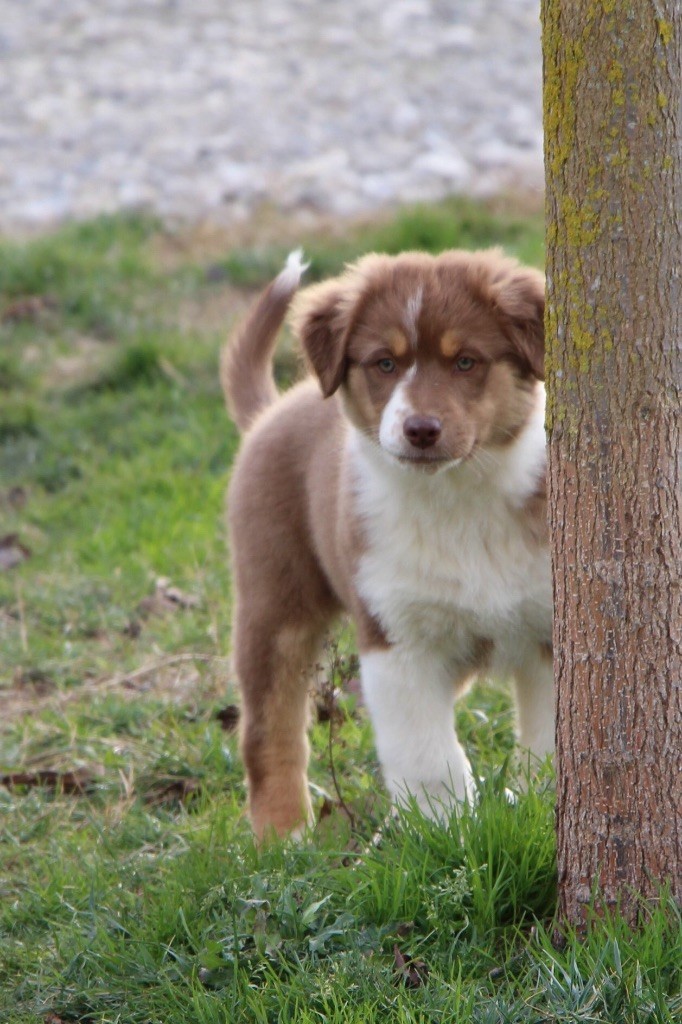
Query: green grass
[454,223]
[131,890]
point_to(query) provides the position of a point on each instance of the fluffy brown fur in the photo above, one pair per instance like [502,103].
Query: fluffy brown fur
[461,334]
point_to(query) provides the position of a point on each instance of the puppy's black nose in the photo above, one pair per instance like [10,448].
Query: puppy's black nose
[422,431]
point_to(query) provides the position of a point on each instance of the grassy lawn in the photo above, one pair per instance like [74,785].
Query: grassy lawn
[131,889]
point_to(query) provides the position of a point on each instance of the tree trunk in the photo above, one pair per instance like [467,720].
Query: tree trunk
[613,154]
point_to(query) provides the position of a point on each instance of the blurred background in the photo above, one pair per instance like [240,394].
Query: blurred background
[215,109]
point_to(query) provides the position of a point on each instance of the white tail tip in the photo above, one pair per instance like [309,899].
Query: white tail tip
[294,268]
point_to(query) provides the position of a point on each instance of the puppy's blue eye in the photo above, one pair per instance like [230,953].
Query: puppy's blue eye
[465,363]
[386,365]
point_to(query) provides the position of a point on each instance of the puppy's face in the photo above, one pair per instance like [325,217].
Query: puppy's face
[435,357]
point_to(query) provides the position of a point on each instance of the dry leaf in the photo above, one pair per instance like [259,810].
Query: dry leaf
[326,810]
[15,497]
[35,678]
[29,308]
[81,780]
[166,598]
[12,551]
[171,789]
[412,973]
[228,717]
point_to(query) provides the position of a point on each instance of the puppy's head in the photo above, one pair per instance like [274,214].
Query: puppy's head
[435,357]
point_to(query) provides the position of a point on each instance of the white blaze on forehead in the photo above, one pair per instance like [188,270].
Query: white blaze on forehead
[395,413]
[411,315]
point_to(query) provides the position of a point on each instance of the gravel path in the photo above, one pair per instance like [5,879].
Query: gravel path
[197,108]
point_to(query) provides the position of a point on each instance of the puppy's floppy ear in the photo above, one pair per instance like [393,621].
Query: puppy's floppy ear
[319,316]
[518,297]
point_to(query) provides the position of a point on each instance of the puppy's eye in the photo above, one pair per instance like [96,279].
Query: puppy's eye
[465,363]
[386,365]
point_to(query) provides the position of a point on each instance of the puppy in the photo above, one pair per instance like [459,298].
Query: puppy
[403,481]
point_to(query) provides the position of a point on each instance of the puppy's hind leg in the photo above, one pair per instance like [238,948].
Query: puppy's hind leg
[274,666]
[535,702]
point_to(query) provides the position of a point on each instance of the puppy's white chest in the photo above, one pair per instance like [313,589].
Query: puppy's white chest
[444,561]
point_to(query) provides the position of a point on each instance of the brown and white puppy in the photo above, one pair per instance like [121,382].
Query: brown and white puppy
[404,481]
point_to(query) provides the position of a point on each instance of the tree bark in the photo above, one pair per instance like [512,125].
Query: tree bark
[613,155]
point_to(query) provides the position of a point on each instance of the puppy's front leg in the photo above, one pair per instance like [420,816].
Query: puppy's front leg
[410,696]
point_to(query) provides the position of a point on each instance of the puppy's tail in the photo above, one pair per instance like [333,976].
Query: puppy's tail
[246,360]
